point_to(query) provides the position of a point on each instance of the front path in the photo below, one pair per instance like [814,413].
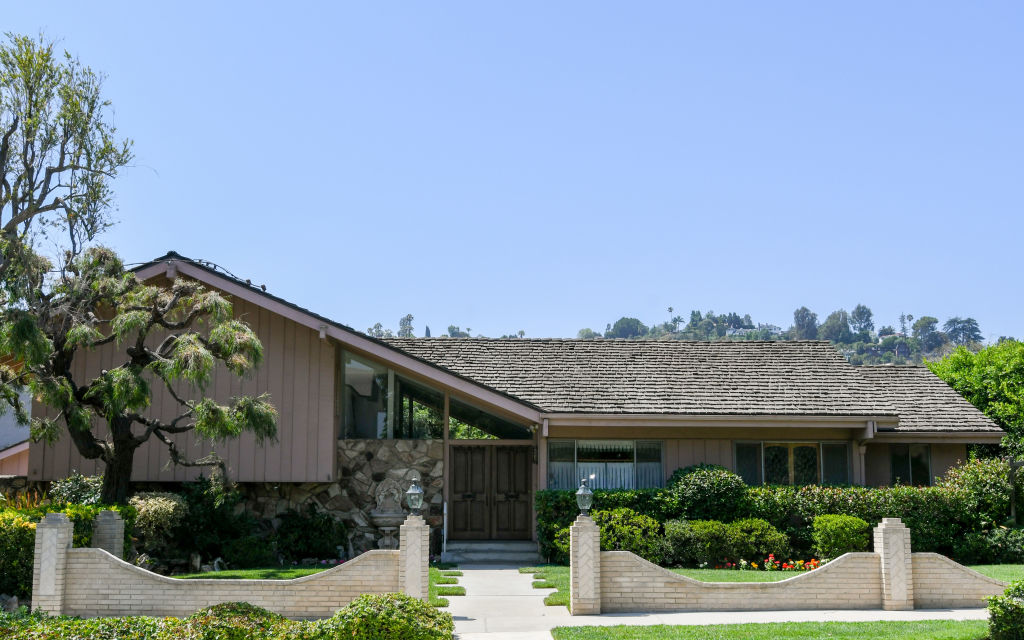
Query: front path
[501,604]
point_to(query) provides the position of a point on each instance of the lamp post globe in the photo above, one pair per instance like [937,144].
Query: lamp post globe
[584,497]
[414,497]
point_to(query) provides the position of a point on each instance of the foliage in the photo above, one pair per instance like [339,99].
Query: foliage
[390,615]
[805,324]
[17,545]
[249,552]
[233,621]
[886,630]
[835,535]
[982,487]
[212,518]
[993,381]
[756,538]
[711,494]
[76,489]
[627,328]
[682,472]
[159,514]
[82,517]
[1006,613]
[996,546]
[313,534]
[711,542]
[836,328]
[626,530]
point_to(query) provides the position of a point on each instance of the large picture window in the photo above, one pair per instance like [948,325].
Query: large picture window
[910,464]
[793,463]
[611,464]
[377,403]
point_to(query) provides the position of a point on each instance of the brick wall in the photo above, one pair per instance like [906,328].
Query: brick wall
[630,583]
[98,584]
[940,583]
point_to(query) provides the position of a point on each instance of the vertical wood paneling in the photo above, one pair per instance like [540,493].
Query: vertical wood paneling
[262,380]
[287,401]
[300,403]
[327,436]
[275,373]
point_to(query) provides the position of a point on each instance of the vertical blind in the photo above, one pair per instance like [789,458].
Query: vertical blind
[609,464]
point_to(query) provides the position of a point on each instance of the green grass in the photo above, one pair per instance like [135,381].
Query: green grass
[551,576]
[732,575]
[1004,572]
[923,630]
[440,581]
[269,573]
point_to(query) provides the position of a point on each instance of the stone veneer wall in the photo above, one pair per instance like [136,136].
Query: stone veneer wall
[15,485]
[362,466]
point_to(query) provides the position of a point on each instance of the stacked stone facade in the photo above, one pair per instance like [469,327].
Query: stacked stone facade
[362,466]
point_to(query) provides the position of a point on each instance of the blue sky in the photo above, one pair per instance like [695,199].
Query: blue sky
[549,166]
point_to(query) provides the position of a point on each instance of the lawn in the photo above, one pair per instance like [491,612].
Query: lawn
[557,577]
[923,630]
[443,581]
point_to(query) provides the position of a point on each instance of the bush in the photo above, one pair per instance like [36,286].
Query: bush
[250,552]
[682,472]
[158,515]
[314,534]
[391,615]
[17,547]
[626,530]
[678,542]
[232,621]
[82,517]
[711,494]
[835,535]
[711,542]
[983,489]
[212,518]
[76,489]
[755,539]
[997,546]
[1006,613]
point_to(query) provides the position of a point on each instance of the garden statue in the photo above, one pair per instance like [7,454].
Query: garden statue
[388,515]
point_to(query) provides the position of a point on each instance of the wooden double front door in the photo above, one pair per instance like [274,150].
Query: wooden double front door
[490,493]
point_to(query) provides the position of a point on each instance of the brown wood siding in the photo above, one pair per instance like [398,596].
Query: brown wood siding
[946,456]
[298,373]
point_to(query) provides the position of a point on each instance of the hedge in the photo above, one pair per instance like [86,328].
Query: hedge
[940,518]
[17,544]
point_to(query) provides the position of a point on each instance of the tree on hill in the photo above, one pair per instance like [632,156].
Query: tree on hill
[861,320]
[456,332]
[926,330]
[587,334]
[627,328]
[963,331]
[405,326]
[805,324]
[992,380]
[836,328]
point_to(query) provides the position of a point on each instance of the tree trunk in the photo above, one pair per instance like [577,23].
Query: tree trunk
[117,475]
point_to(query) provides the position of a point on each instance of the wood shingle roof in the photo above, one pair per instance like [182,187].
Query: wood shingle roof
[924,401]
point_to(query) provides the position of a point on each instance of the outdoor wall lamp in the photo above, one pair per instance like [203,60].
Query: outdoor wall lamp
[414,497]
[584,498]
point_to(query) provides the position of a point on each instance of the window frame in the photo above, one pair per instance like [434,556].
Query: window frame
[909,481]
[635,442]
[820,445]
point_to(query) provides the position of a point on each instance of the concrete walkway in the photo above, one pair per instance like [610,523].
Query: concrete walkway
[501,604]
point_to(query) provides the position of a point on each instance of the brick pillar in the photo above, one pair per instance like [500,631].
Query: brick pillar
[414,557]
[892,543]
[584,567]
[53,539]
[108,533]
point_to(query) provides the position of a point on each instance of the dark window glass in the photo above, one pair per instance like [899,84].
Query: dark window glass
[420,411]
[467,422]
[805,464]
[835,463]
[910,464]
[649,472]
[562,464]
[364,399]
[748,462]
[776,464]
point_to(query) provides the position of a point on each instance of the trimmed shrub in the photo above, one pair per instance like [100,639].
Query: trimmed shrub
[996,546]
[233,621]
[626,530]
[82,516]
[76,489]
[1006,613]
[682,472]
[390,615]
[835,535]
[17,547]
[314,534]
[983,489]
[711,494]
[158,515]
[755,539]
[711,542]
[678,542]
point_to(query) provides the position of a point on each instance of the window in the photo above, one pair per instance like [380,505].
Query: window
[467,422]
[420,411]
[364,398]
[793,463]
[612,464]
[910,464]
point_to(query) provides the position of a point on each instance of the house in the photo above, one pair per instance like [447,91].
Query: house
[487,422]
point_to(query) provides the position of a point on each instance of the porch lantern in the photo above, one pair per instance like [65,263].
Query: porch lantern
[414,497]
[584,498]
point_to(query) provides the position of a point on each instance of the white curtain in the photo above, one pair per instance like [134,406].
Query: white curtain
[608,475]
